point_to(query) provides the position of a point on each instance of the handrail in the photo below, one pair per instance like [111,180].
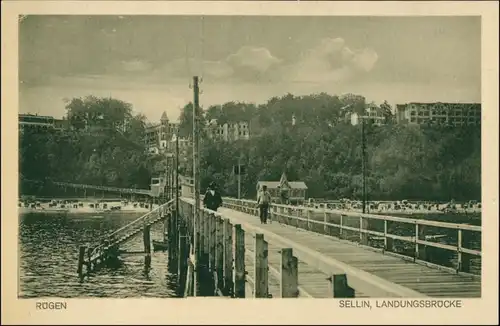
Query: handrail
[140,219]
[327,265]
[447,225]
[416,239]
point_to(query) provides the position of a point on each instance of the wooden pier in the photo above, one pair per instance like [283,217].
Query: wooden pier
[303,253]
[94,255]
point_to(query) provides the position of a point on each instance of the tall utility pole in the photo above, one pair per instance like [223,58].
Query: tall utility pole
[363,161]
[177,172]
[196,170]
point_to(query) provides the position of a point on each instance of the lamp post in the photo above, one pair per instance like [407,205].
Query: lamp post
[355,119]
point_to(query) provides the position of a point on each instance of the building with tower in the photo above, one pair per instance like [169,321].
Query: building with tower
[159,135]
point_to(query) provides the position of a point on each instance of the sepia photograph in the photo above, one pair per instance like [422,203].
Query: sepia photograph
[179,156]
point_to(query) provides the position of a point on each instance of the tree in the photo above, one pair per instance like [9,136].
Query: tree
[387,112]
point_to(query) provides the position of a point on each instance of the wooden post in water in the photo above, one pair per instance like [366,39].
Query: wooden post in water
[213,232]
[182,256]
[147,239]
[81,259]
[174,241]
[228,257]
[261,267]
[339,286]
[219,252]
[201,239]
[289,274]
[239,262]
[206,237]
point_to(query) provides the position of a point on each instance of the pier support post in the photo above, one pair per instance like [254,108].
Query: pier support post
[201,238]
[420,250]
[212,245]
[261,267]
[239,262]
[81,259]
[206,237]
[464,259]
[182,256]
[228,257]
[388,241]
[147,239]
[339,286]
[363,225]
[219,252]
[289,274]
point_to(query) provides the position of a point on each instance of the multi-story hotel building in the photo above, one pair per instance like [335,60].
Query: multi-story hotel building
[158,135]
[439,113]
[229,131]
[372,114]
[40,121]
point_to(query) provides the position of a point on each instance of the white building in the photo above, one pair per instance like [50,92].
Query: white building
[439,113]
[229,131]
[158,135]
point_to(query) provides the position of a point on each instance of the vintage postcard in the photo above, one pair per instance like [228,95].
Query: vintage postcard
[249,162]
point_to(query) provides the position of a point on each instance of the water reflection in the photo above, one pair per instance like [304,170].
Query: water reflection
[48,258]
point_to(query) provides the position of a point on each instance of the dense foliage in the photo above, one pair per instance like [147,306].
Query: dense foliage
[321,149]
[105,146]
[102,146]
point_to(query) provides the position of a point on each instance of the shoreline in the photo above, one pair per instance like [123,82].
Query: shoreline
[84,207]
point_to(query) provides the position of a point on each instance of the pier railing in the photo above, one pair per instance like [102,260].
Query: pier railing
[423,241]
[222,250]
[108,245]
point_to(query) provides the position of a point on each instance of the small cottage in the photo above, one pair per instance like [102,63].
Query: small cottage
[296,189]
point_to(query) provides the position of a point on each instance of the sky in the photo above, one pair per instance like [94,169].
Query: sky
[149,61]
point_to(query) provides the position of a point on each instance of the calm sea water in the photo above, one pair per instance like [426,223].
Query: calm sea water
[49,253]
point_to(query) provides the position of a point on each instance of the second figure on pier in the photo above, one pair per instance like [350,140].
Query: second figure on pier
[263,201]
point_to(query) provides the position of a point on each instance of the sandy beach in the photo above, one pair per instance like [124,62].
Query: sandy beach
[83,207]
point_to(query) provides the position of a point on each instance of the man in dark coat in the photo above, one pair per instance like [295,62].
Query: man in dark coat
[212,199]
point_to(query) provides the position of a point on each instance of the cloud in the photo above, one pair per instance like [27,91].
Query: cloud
[331,61]
[258,59]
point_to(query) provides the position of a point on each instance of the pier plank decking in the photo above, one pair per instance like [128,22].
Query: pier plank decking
[423,279]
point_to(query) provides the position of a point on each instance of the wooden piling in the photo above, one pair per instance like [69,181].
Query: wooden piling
[182,256]
[147,239]
[261,267]
[206,237]
[289,274]
[201,238]
[89,260]
[168,221]
[239,262]
[174,244]
[339,286]
[228,257]
[81,259]
[219,251]
[213,231]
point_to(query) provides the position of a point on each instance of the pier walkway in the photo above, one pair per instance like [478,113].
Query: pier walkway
[371,272]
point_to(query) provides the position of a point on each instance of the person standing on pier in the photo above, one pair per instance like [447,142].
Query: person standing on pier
[212,199]
[263,201]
